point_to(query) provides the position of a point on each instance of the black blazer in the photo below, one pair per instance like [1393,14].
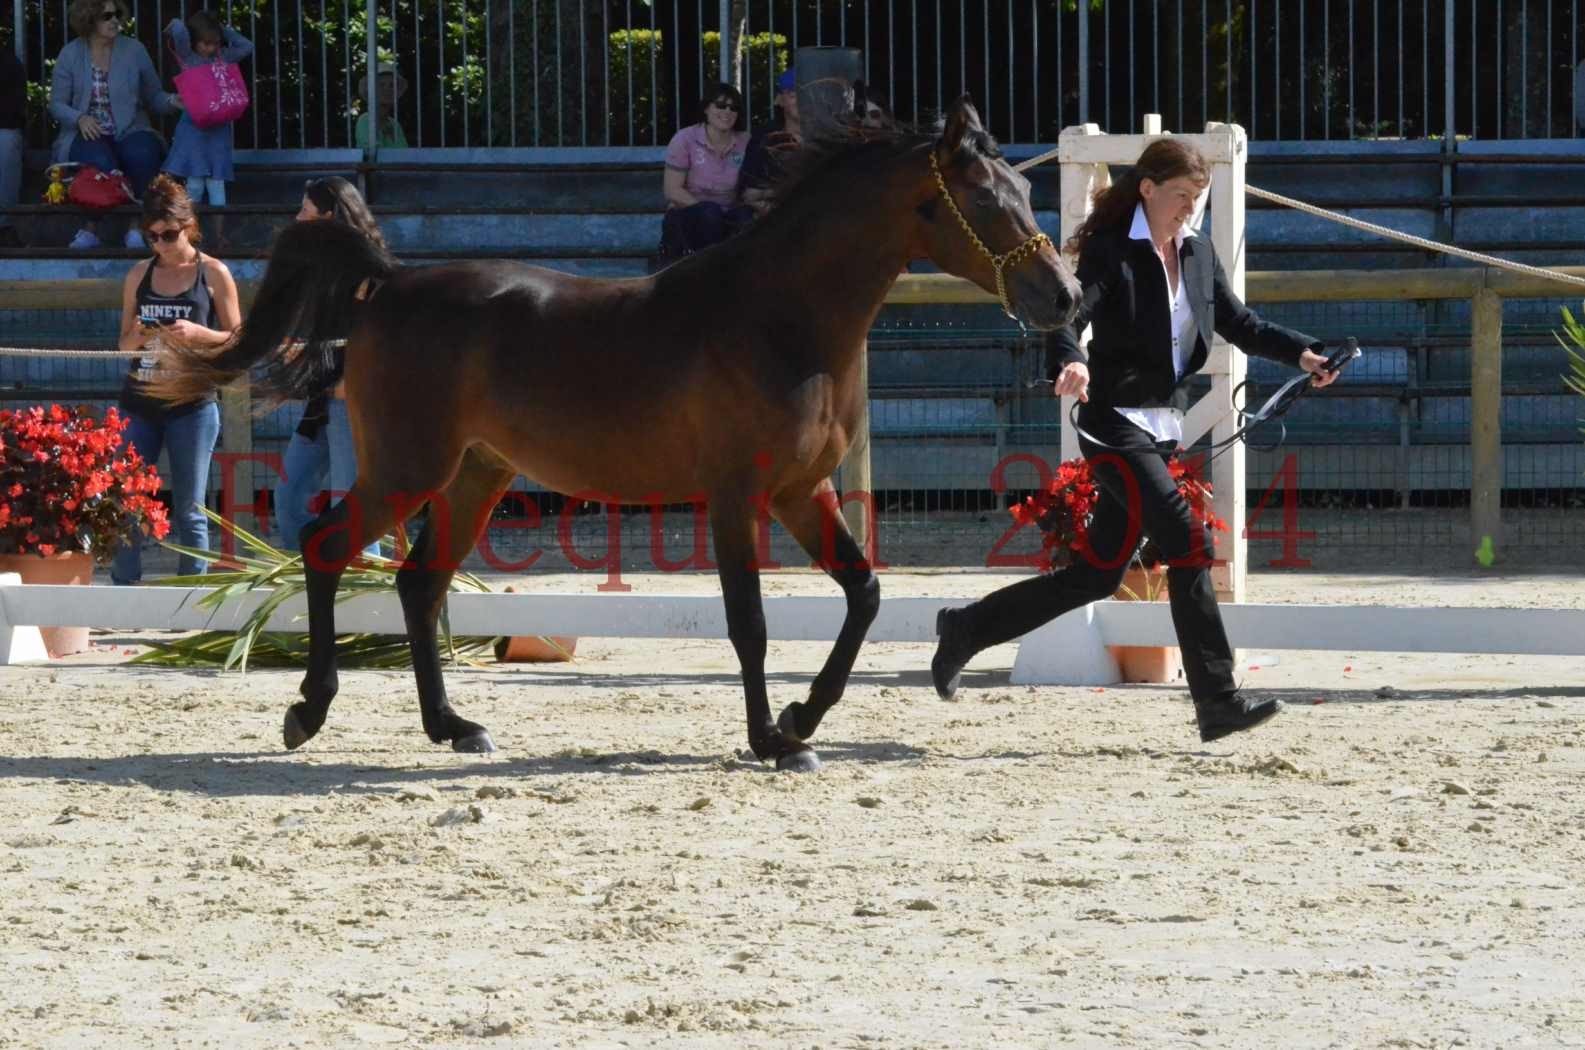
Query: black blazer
[1125,300]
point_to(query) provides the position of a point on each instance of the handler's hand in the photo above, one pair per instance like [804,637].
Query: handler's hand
[1315,364]
[89,128]
[181,333]
[1074,382]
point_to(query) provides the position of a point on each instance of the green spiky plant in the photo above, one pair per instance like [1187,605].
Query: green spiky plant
[1576,354]
[264,567]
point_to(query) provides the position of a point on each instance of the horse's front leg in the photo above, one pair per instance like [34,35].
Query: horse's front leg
[733,526]
[816,523]
[327,543]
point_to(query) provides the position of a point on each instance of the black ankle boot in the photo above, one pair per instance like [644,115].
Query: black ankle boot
[952,651]
[1231,713]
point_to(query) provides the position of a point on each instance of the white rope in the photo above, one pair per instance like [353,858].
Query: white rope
[44,351]
[1419,242]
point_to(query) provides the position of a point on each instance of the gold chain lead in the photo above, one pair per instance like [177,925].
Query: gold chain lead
[999,263]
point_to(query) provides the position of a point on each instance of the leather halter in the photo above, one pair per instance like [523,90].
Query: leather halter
[999,263]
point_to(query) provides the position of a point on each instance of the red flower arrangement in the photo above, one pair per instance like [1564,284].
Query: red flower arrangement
[67,484]
[1062,511]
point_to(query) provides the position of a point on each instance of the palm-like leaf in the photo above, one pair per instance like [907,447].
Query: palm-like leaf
[263,567]
[1576,353]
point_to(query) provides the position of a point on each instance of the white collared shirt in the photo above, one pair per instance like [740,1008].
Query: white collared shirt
[1165,423]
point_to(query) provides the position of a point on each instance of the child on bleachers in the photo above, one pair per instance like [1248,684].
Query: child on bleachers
[202,156]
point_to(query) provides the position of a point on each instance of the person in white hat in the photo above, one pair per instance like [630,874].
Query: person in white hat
[391,86]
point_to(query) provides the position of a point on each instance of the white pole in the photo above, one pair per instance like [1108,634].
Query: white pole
[371,27]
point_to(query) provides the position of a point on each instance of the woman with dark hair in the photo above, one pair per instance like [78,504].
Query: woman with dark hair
[321,446]
[102,90]
[703,162]
[179,298]
[1154,294]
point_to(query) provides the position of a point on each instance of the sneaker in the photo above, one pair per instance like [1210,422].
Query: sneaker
[1231,713]
[134,240]
[84,240]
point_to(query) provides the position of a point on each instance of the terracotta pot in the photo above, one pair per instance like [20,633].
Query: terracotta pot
[1146,663]
[68,567]
[532,649]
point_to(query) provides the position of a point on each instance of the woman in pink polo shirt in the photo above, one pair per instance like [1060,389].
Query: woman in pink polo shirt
[703,206]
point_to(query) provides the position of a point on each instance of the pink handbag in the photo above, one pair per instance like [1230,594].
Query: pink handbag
[213,93]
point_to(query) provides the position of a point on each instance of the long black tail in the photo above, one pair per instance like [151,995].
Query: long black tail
[303,310]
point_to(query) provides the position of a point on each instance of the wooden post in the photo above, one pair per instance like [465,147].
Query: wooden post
[1085,153]
[1227,368]
[856,478]
[1485,421]
[1080,182]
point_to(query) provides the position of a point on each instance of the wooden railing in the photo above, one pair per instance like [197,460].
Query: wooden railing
[1485,288]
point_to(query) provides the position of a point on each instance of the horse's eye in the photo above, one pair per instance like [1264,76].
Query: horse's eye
[985,199]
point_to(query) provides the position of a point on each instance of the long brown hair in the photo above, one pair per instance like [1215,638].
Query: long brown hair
[166,200]
[1163,159]
[334,194]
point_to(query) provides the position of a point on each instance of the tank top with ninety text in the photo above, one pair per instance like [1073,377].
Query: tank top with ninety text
[197,305]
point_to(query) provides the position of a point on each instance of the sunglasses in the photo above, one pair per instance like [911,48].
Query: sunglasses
[111,16]
[166,236]
[725,104]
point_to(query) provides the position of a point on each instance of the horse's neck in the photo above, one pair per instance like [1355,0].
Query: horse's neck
[839,265]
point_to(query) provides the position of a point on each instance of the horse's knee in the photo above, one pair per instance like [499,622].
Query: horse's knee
[864,598]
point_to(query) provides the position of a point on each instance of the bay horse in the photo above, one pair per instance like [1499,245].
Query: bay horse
[731,377]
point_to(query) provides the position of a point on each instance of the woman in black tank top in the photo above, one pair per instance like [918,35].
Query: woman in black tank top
[179,298]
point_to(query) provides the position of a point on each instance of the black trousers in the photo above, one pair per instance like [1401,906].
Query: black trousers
[1137,498]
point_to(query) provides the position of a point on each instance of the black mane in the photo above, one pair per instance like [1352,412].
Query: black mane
[850,149]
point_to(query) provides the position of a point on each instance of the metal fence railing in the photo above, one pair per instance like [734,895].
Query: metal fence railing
[630,72]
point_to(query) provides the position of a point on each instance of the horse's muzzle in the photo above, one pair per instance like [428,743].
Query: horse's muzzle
[1043,296]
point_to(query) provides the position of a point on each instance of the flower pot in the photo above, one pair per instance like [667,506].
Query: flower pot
[1146,663]
[67,567]
[532,649]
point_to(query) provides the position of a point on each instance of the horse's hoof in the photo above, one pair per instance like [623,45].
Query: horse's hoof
[803,761]
[788,724]
[474,743]
[292,732]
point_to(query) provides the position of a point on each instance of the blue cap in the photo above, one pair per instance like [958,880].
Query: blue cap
[787,81]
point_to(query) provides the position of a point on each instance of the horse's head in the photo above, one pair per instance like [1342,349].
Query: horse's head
[978,224]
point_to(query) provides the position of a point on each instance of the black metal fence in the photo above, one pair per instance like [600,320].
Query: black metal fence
[629,72]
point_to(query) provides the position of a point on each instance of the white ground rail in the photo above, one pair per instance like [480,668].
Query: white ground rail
[1069,651]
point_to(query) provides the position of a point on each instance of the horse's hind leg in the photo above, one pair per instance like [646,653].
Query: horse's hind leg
[815,523]
[328,543]
[456,517]
[733,527]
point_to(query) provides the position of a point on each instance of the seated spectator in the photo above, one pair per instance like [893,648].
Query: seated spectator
[13,117]
[391,86]
[103,92]
[701,180]
[869,105]
[762,163]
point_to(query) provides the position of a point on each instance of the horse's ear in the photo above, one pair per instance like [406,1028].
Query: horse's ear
[962,118]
